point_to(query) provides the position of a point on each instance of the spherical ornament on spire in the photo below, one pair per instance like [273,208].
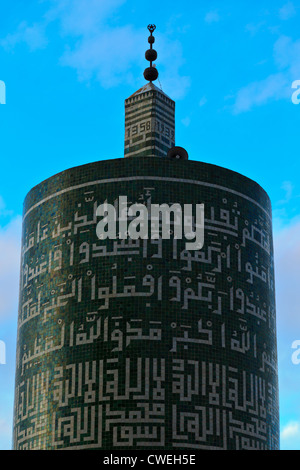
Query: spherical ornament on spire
[151,55]
[151,74]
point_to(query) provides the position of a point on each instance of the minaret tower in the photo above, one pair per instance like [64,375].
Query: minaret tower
[149,115]
[141,343]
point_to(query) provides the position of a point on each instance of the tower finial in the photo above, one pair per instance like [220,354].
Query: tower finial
[151,73]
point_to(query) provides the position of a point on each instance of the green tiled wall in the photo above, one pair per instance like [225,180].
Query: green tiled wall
[142,344]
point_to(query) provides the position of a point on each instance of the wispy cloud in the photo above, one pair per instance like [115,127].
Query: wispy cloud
[287,11]
[33,36]
[186,121]
[212,17]
[254,28]
[5,428]
[97,47]
[103,57]
[291,430]
[10,241]
[203,101]
[287,269]
[171,58]
[83,17]
[111,53]
[288,187]
[4,212]
[276,86]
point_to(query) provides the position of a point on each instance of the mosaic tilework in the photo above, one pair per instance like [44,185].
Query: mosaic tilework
[139,344]
[149,123]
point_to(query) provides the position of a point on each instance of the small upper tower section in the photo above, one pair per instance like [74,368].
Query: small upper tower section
[149,115]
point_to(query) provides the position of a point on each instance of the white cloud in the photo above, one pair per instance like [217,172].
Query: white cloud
[106,53]
[104,56]
[170,61]
[287,56]
[257,93]
[109,53]
[96,47]
[10,242]
[212,17]
[2,204]
[288,187]
[186,121]
[5,428]
[203,101]
[291,430]
[83,17]
[287,11]
[254,28]
[287,270]
[276,86]
[4,212]
[34,36]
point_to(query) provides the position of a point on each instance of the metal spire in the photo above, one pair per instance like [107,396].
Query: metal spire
[151,73]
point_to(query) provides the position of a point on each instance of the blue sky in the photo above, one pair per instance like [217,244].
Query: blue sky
[68,66]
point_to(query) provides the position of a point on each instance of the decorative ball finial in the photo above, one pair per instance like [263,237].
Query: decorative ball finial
[151,73]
